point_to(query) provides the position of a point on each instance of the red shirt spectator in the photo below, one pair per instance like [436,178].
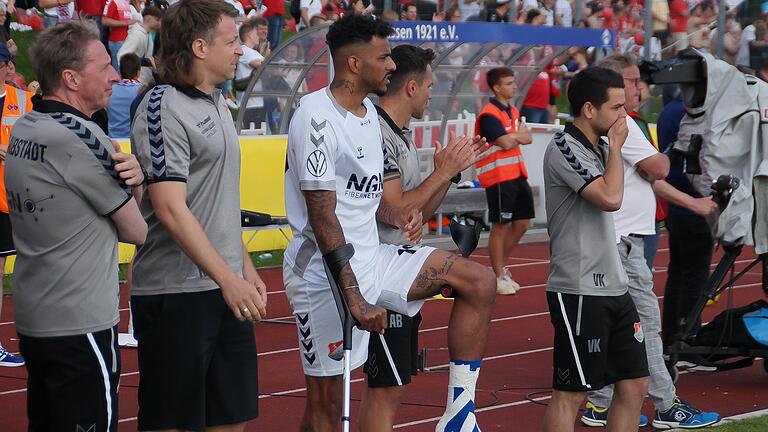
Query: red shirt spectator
[91,8]
[678,16]
[274,7]
[118,10]
[538,95]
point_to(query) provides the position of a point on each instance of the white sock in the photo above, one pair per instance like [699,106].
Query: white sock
[460,409]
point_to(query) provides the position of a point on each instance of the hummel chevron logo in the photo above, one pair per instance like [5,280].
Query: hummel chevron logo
[317,141]
[155,131]
[318,126]
[310,358]
[303,319]
[570,157]
[307,346]
[305,334]
[93,144]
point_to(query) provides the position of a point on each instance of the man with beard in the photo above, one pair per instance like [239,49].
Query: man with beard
[333,189]
[598,336]
[195,291]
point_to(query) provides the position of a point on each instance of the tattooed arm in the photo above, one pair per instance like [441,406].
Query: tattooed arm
[321,206]
[409,220]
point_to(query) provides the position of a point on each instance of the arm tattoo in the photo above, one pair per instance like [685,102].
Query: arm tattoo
[388,214]
[433,279]
[349,85]
[321,206]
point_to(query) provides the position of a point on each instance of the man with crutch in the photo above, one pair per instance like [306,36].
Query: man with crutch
[333,189]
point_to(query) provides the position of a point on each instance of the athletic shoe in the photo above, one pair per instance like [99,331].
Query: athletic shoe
[505,285]
[126,340]
[683,415]
[9,360]
[696,363]
[597,417]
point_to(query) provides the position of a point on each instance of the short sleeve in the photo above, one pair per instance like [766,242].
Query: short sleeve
[160,140]
[305,3]
[391,167]
[491,128]
[573,165]
[636,147]
[110,10]
[313,152]
[90,173]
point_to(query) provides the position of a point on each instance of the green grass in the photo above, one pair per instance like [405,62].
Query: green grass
[757,424]
[23,64]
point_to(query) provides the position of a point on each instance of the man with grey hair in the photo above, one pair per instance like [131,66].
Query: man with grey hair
[71,199]
[644,172]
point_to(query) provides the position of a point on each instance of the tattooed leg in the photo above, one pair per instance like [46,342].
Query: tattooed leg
[474,287]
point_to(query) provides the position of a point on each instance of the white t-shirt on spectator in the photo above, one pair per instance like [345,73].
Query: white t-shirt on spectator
[637,214]
[63,13]
[530,4]
[244,70]
[470,9]
[550,17]
[564,11]
[747,37]
[314,7]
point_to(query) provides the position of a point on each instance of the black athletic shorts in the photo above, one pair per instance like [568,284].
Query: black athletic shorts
[72,383]
[393,360]
[6,236]
[197,362]
[510,201]
[598,341]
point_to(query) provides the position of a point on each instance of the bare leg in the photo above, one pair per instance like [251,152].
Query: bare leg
[2,285]
[475,294]
[627,402]
[323,410]
[378,408]
[515,232]
[561,412]
[496,247]
[239,427]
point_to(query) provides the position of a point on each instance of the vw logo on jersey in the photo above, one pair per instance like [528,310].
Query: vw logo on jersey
[316,163]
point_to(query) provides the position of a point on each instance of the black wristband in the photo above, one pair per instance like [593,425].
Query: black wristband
[456,179]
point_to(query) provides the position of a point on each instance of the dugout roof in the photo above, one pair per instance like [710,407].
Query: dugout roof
[465,51]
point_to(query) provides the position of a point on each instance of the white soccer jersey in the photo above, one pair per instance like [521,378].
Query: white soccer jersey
[332,149]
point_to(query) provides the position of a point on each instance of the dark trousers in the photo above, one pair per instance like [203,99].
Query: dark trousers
[690,252]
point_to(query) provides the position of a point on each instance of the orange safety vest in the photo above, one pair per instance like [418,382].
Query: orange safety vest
[17,103]
[500,165]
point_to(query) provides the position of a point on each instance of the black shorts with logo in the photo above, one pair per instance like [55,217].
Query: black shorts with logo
[6,236]
[598,341]
[73,380]
[509,201]
[393,358]
[197,362]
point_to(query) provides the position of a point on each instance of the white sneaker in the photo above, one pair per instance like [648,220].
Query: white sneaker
[505,285]
[127,340]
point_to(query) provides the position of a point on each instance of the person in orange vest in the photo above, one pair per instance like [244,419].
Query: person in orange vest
[503,175]
[15,102]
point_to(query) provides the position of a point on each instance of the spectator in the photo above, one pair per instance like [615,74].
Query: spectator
[123,94]
[55,11]
[748,36]
[137,7]
[731,41]
[535,17]
[140,41]
[309,8]
[93,10]
[453,14]
[547,8]
[274,16]
[497,11]
[14,78]
[702,15]
[262,28]
[317,20]
[357,6]
[410,13]
[5,34]
[246,64]
[660,24]
[389,16]
[336,6]
[117,17]
[678,22]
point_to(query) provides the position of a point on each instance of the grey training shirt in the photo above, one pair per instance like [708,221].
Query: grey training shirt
[583,255]
[401,161]
[185,135]
[62,189]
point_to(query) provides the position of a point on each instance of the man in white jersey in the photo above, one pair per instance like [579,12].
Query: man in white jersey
[333,188]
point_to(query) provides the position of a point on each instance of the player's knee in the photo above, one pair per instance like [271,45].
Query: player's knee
[568,398]
[324,399]
[482,285]
[633,388]
[386,398]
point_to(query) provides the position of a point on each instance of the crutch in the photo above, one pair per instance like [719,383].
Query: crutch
[334,261]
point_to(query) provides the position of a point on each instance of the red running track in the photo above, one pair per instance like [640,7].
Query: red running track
[513,386]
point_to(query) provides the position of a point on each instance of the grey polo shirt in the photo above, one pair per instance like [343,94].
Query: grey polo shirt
[185,135]
[62,189]
[401,161]
[583,255]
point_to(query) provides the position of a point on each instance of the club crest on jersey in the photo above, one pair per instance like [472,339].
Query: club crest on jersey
[317,164]
[639,335]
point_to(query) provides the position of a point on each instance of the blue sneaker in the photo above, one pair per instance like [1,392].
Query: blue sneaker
[683,415]
[9,360]
[596,417]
